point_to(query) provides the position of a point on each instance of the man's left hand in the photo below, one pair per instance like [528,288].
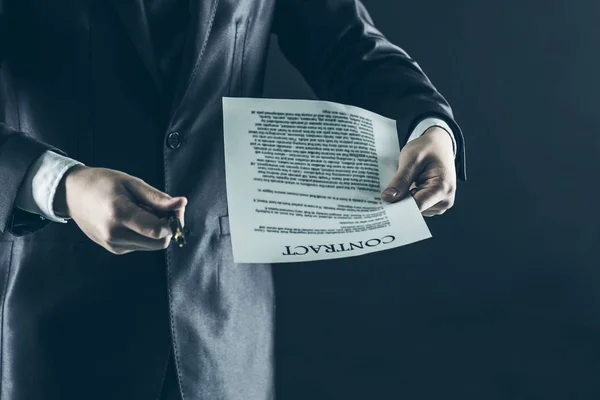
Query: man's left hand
[426,171]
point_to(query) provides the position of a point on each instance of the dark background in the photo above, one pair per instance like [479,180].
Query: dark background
[504,301]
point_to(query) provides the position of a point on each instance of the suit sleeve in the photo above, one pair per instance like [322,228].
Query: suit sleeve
[344,58]
[17,153]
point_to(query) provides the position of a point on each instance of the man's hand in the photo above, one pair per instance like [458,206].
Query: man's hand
[426,171]
[116,210]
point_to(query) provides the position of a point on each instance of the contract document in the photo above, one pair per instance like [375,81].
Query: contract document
[304,181]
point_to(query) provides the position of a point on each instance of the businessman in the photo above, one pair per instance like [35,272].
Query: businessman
[112,120]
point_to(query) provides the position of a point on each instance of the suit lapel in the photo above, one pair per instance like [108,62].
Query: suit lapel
[202,15]
[133,15]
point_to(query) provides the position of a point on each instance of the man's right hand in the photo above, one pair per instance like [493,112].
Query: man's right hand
[111,208]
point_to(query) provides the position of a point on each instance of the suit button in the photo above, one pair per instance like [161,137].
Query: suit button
[173,140]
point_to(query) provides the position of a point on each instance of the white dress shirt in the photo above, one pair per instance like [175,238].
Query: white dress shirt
[41,181]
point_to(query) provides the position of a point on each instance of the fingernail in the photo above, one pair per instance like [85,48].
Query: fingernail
[390,192]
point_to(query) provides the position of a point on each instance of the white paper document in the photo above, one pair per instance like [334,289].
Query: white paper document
[304,181]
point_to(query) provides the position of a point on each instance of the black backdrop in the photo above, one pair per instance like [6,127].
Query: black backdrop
[504,301]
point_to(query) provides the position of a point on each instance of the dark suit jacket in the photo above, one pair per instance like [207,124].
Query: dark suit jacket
[79,77]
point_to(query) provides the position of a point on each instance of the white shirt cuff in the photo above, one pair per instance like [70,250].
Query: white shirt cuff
[428,123]
[40,183]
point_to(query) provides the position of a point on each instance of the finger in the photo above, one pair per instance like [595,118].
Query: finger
[408,169]
[433,213]
[443,205]
[429,197]
[132,241]
[145,222]
[153,197]
[179,212]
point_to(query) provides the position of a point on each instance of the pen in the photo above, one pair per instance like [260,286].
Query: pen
[177,230]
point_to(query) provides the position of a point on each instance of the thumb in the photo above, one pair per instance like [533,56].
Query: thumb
[402,181]
[154,198]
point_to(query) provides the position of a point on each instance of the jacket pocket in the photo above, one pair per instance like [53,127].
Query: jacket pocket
[224,225]
[6,256]
[236,81]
